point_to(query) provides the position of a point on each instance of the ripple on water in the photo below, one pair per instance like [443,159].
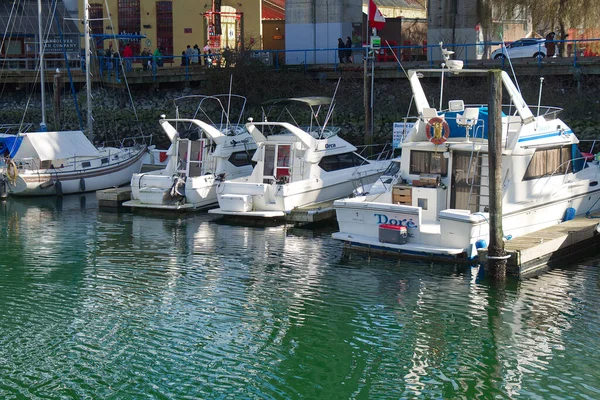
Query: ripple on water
[125,306]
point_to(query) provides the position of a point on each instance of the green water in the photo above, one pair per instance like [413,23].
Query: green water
[97,305]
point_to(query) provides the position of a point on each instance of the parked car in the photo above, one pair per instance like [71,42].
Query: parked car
[522,48]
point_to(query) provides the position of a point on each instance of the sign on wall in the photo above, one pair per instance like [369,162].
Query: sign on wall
[54,44]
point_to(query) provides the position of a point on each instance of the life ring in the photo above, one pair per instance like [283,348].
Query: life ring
[11,172]
[441,130]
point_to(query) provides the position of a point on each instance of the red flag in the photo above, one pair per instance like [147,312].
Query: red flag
[376,19]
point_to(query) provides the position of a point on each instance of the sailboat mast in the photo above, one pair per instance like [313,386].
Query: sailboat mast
[42,77]
[88,84]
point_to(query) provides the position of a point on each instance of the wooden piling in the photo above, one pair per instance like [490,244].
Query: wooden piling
[496,254]
[367,101]
[57,89]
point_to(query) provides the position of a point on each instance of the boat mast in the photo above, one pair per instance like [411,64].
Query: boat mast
[42,77]
[86,31]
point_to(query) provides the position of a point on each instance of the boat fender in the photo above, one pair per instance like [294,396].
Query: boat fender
[11,172]
[82,185]
[440,128]
[58,188]
[47,184]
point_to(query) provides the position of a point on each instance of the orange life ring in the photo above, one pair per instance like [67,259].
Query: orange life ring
[441,130]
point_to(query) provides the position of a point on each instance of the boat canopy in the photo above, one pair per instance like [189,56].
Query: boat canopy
[311,101]
[56,145]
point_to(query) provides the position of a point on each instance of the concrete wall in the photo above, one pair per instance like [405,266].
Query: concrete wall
[317,24]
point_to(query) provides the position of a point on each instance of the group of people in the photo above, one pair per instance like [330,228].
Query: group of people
[190,56]
[344,54]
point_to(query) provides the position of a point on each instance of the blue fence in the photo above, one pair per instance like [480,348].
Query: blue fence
[573,52]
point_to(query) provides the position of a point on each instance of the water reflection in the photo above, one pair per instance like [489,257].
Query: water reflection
[108,305]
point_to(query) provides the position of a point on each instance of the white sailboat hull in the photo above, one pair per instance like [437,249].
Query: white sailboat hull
[58,181]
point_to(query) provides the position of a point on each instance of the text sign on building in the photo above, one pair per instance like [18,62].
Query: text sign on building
[399,132]
[187,30]
[56,44]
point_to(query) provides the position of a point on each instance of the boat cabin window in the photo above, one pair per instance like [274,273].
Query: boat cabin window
[241,158]
[341,161]
[428,162]
[547,162]
[86,164]
[104,160]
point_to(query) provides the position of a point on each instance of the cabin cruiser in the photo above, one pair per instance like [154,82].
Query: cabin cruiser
[296,166]
[203,152]
[438,204]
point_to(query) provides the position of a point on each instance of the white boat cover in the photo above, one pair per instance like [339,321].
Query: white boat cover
[56,145]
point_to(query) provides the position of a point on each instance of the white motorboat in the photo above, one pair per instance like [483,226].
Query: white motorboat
[56,163]
[201,155]
[438,202]
[296,166]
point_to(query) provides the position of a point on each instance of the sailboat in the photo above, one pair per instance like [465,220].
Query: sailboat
[62,162]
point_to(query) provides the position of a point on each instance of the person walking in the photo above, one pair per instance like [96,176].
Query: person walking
[127,55]
[341,50]
[349,51]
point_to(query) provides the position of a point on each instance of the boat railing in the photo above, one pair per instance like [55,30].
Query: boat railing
[376,152]
[588,145]
[130,141]
[321,133]
[13,129]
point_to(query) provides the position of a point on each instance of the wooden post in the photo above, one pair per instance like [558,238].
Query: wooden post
[367,100]
[57,89]
[496,253]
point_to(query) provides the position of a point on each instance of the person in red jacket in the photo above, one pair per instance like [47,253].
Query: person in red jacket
[127,55]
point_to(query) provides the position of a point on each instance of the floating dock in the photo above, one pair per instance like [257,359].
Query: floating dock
[312,214]
[531,253]
[113,197]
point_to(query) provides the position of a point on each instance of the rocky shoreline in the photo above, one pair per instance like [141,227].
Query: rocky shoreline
[115,116]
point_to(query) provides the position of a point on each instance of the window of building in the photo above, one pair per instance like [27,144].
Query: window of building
[164,26]
[341,161]
[129,21]
[96,22]
[547,162]
[428,162]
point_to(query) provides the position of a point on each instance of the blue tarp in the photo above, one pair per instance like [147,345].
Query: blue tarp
[460,131]
[10,144]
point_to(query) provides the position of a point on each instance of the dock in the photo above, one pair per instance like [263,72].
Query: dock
[113,198]
[307,215]
[531,253]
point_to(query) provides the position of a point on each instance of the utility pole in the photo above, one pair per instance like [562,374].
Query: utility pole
[496,254]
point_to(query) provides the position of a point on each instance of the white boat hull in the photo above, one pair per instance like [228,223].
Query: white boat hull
[66,181]
[274,200]
[457,232]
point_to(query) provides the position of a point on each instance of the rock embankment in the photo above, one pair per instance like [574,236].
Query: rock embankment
[120,113]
